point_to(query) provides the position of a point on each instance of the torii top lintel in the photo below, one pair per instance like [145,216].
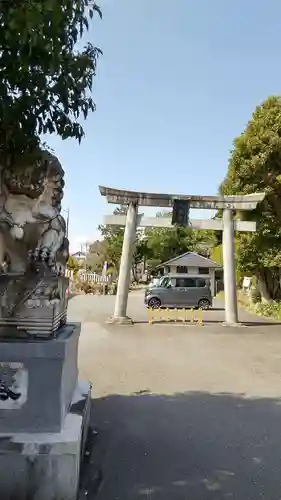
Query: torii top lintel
[124,197]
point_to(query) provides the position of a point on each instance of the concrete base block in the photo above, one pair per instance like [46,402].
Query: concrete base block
[123,320]
[44,375]
[46,466]
[235,325]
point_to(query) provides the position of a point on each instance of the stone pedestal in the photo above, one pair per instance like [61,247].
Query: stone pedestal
[44,417]
[46,372]
[46,466]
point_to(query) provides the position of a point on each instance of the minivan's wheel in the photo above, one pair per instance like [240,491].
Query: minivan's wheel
[154,303]
[204,304]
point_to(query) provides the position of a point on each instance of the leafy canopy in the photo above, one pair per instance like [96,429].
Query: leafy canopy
[155,245]
[255,166]
[45,80]
[113,240]
[73,264]
[166,243]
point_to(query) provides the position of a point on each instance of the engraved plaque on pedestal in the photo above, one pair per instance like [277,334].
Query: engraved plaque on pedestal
[13,385]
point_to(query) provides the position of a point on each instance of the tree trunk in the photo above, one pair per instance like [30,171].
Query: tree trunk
[134,272]
[273,282]
[263,288]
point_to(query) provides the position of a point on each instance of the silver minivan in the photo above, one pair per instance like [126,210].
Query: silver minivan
[180,290]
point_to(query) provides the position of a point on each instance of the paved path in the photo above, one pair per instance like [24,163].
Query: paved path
[182,412]
[99,308]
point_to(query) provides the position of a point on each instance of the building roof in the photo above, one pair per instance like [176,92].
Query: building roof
[191,259]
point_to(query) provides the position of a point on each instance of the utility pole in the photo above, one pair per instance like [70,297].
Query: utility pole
[86,254]
[67,223]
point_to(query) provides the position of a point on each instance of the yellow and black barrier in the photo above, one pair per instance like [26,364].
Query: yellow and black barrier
[192,316]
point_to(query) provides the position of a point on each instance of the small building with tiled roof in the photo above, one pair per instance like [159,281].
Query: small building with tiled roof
[191,263]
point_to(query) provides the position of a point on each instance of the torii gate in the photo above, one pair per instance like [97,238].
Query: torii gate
[132,220]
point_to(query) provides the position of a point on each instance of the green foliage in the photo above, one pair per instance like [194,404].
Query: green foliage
[164,244]
[255,166]
[93,288]
[96,256]
[73,264]
[272,310]
[253,304]
[216,254]
[154,245]
[45,80]
[113,240]
[255,295]
[141,254]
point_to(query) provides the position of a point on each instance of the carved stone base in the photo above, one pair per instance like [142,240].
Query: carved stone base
[32,305]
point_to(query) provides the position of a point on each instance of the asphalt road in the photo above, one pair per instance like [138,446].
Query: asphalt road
[97,309]
[182,413]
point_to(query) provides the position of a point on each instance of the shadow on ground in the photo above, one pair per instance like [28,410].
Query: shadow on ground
[209,322]
[193,446]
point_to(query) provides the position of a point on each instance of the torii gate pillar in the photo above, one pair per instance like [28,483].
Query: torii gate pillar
[120,309]
[230,293]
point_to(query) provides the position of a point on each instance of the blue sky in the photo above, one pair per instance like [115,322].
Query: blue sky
[177,82]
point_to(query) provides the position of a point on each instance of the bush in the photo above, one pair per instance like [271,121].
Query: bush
[253,304]
[272,310]
[95,288]
[113,288]
[255,295]
[87,287]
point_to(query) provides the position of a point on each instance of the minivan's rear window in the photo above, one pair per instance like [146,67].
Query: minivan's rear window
[201,283]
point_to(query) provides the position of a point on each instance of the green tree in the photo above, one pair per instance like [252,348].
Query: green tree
[113,240]
[45,79]
[141,254]
[216,254]
[113,243]
[96,256]
[164,244]
[73,264]
[155,245]
[255,166]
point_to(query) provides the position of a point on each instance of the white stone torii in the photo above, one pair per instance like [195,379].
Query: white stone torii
[132,220]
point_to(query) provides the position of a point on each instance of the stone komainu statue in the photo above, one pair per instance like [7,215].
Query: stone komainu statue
[34,247]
